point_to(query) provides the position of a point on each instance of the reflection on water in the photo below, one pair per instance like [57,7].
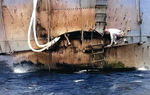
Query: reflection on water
[28,80]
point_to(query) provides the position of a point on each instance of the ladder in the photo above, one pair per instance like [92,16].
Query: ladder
[100,16]
[98,54]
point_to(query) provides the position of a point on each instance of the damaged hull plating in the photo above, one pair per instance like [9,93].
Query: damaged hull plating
[79,24]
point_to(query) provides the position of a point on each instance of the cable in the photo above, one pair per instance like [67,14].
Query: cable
[33,21]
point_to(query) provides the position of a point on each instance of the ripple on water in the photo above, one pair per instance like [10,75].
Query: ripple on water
[76,81]
[79,83]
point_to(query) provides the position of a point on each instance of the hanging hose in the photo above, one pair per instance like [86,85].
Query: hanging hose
[33,21]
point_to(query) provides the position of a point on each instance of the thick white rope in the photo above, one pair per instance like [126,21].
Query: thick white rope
[33,21]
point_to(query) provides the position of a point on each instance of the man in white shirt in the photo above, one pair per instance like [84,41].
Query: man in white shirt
[114,33]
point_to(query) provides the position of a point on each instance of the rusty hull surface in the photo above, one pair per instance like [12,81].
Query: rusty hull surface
[16,16]
[4,45]
[63,57]
[66,16]
[131,55]
[64,21]
[54,17]
[122,14]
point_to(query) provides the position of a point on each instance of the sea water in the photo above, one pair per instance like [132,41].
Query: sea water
[28,81]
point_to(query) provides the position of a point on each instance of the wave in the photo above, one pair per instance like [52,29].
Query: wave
[27,69]
[143,69]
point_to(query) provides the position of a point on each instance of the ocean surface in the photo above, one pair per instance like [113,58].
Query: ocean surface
[29,81]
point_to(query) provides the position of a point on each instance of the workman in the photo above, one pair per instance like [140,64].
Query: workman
[114,33]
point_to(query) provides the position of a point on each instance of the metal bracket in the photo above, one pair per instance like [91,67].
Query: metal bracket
[142,42]
[67,40]
[140,20]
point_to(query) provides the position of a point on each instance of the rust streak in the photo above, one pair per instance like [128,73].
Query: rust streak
[5,8]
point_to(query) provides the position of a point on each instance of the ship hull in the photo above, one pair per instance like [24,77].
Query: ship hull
[79,24]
